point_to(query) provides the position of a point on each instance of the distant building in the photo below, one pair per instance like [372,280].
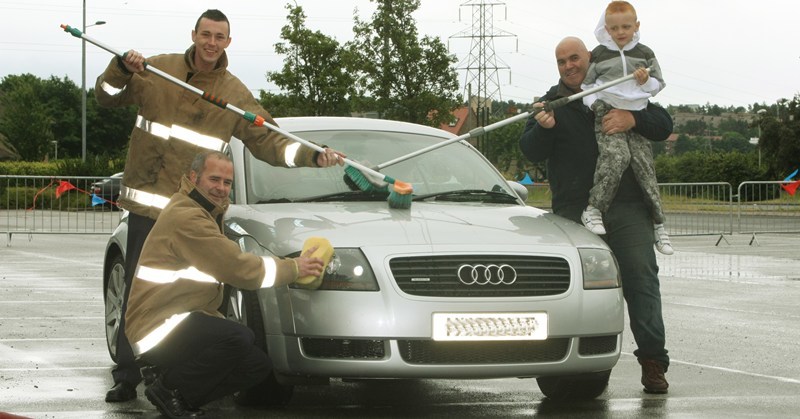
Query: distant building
[463,122]
[712,121]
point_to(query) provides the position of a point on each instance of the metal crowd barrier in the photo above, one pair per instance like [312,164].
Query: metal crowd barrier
[715,209]
[765,207]
[54,205]
[695,209]
[66,205]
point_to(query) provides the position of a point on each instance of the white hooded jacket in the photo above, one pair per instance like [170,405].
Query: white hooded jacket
[609,62]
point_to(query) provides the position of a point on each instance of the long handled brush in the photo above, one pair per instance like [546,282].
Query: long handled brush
[365,178]
[477,132]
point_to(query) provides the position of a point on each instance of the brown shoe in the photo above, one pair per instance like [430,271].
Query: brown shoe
[653,378]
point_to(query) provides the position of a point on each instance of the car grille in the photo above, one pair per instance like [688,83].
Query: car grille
[597,345]
[487,352]
[438,276]
[343,348]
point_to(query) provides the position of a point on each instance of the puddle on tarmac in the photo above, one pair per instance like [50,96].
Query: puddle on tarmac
[696,265]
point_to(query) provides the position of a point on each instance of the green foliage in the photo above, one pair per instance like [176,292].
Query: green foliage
[107,129]
[501,146]
[100,167]
[91,167]
[411,79]
[24,168]
[26,120]
[698,167]
[314,73]
[733,141]
[779,141]
[694,127]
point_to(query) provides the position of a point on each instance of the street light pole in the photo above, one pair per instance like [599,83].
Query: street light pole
[83,83]
[760,113]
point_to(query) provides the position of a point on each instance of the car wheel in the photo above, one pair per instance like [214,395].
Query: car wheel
[242,307]
[115,293]
[574,387]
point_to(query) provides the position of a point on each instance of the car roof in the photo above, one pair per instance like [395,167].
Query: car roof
[328,123]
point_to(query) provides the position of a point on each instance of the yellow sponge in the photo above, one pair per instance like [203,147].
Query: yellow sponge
[325,252]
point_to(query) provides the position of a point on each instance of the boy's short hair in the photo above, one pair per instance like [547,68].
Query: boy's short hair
[620,7]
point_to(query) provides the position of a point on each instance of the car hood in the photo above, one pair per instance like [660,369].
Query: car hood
[282,228]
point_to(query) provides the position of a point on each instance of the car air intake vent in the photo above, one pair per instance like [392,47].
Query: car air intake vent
[481,275]
[430,352]
[344,348]
[597,345]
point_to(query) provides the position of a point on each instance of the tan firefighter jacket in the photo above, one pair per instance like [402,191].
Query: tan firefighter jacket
[174,124]
[185,261]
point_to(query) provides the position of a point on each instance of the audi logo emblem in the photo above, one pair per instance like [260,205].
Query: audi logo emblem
[487,274]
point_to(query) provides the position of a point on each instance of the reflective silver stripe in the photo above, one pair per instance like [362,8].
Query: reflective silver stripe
[181,133]
[168,276]
[144,198]
[158,334]
[154,128]
[270,272]
[111,90]
[291,153]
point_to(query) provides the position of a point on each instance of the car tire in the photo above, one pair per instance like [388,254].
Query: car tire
[242,307]
[114,296]
[574,387]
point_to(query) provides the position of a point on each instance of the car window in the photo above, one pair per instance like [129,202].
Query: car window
[450,168]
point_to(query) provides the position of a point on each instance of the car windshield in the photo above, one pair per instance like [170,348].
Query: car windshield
[443,173]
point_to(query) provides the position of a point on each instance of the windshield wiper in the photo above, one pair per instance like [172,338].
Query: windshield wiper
[469,195]
[346,196]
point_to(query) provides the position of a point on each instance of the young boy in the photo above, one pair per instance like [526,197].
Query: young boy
[619,54]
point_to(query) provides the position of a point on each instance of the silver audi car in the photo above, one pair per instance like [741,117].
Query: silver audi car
[467,283]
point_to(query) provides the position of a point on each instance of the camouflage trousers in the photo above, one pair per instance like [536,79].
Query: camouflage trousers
[617,152]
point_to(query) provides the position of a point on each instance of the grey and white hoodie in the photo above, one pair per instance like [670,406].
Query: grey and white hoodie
[609,63]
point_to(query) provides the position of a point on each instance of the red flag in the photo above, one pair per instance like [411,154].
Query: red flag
[63,186]
[792,187]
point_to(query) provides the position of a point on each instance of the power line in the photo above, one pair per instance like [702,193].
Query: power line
[482,65]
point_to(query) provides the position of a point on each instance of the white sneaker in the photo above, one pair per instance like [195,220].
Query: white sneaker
[593,220]
[662,240]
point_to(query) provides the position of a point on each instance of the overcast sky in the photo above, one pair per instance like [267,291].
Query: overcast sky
[727,52]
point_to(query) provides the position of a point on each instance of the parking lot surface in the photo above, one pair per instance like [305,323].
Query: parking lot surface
[731,311]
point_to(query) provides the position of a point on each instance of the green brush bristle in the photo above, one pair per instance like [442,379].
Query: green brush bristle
[399,201]
[363,182]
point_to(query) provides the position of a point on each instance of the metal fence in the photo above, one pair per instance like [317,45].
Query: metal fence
[765,207]
[695,209]
[716,209]
[54,205]
[68,205]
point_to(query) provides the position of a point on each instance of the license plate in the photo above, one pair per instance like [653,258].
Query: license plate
[489,326]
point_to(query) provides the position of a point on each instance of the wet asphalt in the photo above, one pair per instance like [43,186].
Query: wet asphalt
[731,307]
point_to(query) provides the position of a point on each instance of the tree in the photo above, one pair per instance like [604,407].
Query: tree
[733,141]
[314,71]
[741,126]
[107,129]
[410,79]
[778,142]
[694,127]
[685,144]
[26,121]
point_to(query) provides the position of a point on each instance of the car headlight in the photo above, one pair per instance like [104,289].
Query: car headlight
[600,269]
[348,270]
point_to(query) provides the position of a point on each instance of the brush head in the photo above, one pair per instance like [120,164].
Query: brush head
[400,195]
[363,181]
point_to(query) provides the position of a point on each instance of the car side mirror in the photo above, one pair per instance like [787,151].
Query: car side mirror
[519,189]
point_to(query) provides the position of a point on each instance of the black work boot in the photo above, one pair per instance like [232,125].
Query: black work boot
[149,374]
[169,402]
